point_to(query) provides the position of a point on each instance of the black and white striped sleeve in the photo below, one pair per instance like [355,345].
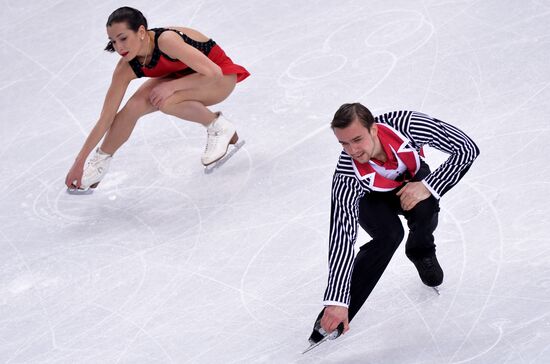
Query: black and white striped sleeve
[346,193]
[448,139]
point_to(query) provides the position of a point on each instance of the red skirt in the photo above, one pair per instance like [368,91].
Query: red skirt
[167,67]
[218,56]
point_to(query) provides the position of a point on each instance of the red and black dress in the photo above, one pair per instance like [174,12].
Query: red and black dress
[162,65]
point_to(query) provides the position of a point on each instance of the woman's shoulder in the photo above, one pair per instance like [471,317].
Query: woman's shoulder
[123,71]
[171,31]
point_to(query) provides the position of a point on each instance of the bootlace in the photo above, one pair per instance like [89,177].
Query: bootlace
[428,263]
[212,139]
[95,160]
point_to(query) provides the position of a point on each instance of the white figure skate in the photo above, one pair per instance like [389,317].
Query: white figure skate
[221,134]
[96,168]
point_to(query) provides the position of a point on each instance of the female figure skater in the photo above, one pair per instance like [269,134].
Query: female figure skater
[188,71]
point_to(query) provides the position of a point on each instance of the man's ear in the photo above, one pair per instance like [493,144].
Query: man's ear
[373,130]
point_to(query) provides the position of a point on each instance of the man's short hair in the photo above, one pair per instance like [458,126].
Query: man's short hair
[349,112]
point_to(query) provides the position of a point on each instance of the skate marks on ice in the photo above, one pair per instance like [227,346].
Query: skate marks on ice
[95,276]
[364,63]
[158,328]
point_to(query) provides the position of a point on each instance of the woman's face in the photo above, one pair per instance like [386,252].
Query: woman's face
[126,42]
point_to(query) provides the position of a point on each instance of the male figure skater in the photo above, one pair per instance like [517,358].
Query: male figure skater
[381,174]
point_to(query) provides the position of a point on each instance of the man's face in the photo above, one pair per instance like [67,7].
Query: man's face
[357,140]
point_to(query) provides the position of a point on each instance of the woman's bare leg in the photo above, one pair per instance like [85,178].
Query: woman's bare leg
[192,104]
[125,120]
[186,104]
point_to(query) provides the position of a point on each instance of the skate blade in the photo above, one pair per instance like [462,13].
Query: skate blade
[220,162]
[313,346]
[436,289]
[332,336]
[80,191]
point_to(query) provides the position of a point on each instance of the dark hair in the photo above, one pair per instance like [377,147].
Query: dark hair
[349,112]
[132,17]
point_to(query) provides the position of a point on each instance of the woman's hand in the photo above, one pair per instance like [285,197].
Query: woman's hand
[160,93]
[74,177]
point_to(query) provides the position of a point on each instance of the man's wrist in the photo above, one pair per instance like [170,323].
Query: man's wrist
[335,303]
[432,191]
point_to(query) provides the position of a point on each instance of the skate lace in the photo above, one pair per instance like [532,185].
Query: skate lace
[212,139]
[95,161]
[428,263]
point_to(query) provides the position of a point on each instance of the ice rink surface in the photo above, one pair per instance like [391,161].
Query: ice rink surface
[164,264]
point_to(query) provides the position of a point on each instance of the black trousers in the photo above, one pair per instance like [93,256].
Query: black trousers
[379,217]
